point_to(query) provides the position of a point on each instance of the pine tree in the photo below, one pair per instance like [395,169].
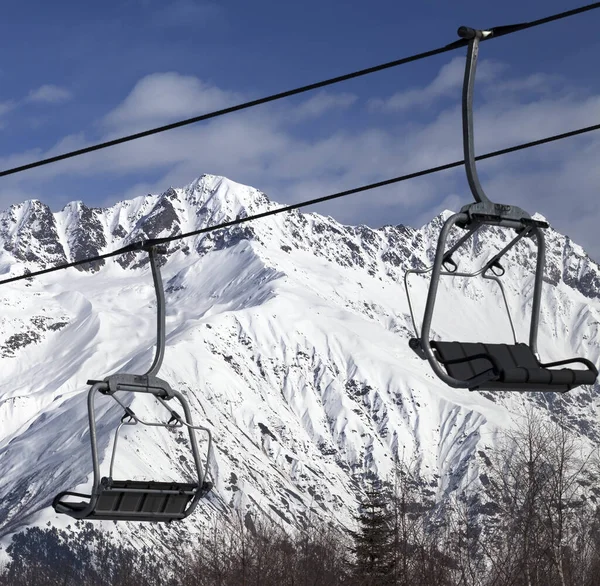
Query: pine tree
[373,564]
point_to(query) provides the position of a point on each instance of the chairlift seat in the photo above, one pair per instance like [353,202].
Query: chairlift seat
[511,366]
[489,366]
[140,500]
[133,500]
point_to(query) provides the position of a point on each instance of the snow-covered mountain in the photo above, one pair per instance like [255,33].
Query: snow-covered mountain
[289,336]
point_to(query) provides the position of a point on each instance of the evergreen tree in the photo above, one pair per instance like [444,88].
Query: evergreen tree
[373,542]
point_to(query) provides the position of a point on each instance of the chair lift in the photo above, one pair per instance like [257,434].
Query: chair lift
[134,500]
[516,366]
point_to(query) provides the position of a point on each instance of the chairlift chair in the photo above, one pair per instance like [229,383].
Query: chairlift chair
[515,366]
[135,500]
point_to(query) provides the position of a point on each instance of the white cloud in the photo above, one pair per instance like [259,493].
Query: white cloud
[261,148]
[43,94]
[447,83]
[49,94]
[163,97]
[323,102]
[535,84]
[6,107]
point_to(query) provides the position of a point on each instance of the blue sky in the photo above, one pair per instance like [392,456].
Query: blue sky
[75,73]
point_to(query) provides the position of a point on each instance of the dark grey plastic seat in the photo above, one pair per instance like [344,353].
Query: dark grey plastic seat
[515,367]
[132,500]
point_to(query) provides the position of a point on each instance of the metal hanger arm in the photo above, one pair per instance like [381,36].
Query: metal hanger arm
[474,37]
[160,314]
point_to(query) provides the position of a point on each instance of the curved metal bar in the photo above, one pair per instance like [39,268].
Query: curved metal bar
[93,496]
[160,315]
[510,320]
[430,306]
[407,288]
[61,507]
[138,420]
[467,118]
[588,363]
[94,446]
[522,234]
[194,445]
[447,256]
[192,427]
[114,451]
[494,277]
[180,423]
[422,272]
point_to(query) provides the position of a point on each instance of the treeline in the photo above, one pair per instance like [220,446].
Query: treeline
[51,557]
[537,523]
[228,554]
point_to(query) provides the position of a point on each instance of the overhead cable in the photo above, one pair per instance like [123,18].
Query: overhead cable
[143,245]
[495,32]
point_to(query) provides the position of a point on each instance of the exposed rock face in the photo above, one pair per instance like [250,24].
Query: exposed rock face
[29,233]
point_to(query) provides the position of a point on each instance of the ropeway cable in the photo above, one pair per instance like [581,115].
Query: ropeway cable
[492,33]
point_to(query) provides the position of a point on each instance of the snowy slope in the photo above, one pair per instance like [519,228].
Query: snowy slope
[288,335]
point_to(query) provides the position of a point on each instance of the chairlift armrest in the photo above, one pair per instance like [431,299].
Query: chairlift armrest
[591,366]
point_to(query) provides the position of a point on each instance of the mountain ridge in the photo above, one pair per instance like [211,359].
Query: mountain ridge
[288,335]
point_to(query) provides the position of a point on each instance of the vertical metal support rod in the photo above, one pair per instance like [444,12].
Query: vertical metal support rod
[537,289]
[436,272]
[192,436]
[435,276]
[160,315]
[93,438]
[430,306]
[94,446]
[467,118]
